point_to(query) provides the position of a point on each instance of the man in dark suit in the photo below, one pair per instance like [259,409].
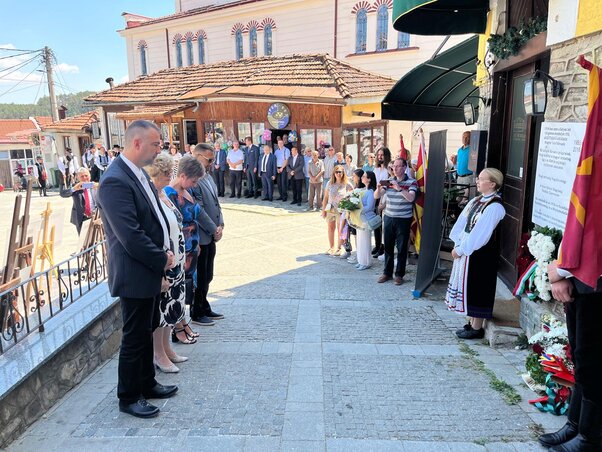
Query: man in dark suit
[294,167]
[219,169]
[40,174]
[211,222]
[84,195]
[250,166]
[139,253]
[267,172]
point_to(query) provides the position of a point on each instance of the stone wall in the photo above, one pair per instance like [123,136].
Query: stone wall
[571,106]
[27,402]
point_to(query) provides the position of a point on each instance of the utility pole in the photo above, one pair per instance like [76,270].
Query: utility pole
[53,105]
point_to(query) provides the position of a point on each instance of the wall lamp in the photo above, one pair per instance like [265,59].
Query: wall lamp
[535,94]
[362,113]
[470,112]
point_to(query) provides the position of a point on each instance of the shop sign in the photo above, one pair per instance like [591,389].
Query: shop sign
[279,115]
[559,150]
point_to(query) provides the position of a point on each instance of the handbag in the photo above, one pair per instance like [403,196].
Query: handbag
[375,222]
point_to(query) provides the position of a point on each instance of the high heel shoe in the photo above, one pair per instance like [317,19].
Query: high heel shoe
[175,338]
[189,331]
[178,359]
[172,369]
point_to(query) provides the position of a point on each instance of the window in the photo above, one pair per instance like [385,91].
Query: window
[189,51]
[143,69]
[267,40]
[116,129]
[253,42]
[361,27]
[364,139]
[179,53]
[382,27]
[254,130]
[308,138]
[239,51]
[66,142]
[214,131]
[403,40]
[201,50]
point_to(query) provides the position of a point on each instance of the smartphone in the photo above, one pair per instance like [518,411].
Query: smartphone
[385,183]
[88,185]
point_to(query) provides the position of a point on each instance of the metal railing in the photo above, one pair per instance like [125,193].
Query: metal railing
[27,306]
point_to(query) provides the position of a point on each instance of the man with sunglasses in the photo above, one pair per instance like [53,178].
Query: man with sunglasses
[211,222]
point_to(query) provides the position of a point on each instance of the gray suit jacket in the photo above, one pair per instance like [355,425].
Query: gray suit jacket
[205,194]
[298,168]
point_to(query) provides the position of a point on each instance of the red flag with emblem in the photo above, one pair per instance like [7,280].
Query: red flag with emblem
[581,249]
[421,170]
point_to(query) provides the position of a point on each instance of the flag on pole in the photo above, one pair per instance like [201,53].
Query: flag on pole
[581,248]
[421,171]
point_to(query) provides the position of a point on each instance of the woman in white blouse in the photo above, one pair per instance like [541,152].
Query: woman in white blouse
[471,289]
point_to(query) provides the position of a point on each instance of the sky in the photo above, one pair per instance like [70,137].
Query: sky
[83,36]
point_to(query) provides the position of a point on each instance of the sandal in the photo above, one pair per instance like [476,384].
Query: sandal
[175,338]
[189,331]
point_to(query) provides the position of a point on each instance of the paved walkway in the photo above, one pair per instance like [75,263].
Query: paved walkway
[312,355]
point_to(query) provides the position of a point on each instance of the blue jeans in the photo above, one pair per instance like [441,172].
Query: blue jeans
[326,179]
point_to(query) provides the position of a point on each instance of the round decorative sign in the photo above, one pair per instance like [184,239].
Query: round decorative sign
[279,115]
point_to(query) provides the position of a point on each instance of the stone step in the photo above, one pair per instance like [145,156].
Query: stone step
[500,336]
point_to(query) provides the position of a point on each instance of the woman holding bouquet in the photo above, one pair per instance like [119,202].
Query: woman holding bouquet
[335,190]
[364,235]
[471,289]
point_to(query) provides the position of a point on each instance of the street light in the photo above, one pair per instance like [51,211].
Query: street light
[535,94]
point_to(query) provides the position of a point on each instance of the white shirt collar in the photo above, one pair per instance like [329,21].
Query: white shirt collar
[137,171]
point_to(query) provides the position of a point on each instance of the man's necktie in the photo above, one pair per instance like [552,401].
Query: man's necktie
[88,206]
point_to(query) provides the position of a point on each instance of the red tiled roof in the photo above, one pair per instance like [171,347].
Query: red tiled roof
[74,123]
[317,77]
[15,130]
[43,120]
[140,22]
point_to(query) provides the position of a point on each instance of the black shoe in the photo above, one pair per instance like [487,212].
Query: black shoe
[471,334]
[214,316]
[571,428]
[141,408]
[248,196]
[161,392]
[588,438]
[256,196]
[202,321]
[232,196]
[284,200]
[466,327]
[293,202]
[264,199]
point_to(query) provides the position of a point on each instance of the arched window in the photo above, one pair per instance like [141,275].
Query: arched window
[189,51]
[253,42]
[239,51]
[361,27]
[179,53]
[143,69]
[267,40]
[382,27]
[403,40]
[201,50]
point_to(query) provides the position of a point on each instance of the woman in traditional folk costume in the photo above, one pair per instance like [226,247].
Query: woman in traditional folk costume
[471,289]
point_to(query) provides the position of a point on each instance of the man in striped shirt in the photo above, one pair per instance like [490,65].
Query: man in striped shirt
[400,194]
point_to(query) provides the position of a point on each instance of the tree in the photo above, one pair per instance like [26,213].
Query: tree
[73,102]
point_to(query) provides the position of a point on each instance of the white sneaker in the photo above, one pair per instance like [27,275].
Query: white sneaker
[363,267]
[344,255]
[352,260]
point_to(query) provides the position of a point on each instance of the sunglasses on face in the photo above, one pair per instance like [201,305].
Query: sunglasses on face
[338,172]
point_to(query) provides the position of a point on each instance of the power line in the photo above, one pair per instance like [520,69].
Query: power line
[16,67]
[20,54]
[42,81]
[24,78]
[18,50]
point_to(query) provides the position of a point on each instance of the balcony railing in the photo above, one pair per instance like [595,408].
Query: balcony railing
[27,306]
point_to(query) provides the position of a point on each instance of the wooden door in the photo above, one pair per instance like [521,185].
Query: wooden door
[517,146]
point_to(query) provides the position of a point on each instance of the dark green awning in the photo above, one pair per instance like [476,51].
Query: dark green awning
[440,17]
[437,89]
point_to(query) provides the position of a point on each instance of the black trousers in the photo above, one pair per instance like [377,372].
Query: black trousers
[42,183]
[583,324]
[136,370]
[397,233]
[204,276]
[283,184]
[251,182]
[297,189]
[267,187]
[236,183]
[378,232]
[220,181]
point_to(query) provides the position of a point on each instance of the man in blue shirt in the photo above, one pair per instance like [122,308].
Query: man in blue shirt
[465,176]
[282,155]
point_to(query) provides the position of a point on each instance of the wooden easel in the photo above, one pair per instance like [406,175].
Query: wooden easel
[94,234]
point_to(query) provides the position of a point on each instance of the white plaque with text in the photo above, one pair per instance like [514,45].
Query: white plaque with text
[559,150]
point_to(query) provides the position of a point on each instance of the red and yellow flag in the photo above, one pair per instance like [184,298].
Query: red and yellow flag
[581,249]
[421,170]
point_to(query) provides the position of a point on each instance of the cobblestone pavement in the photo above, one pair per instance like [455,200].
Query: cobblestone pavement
[312,355]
